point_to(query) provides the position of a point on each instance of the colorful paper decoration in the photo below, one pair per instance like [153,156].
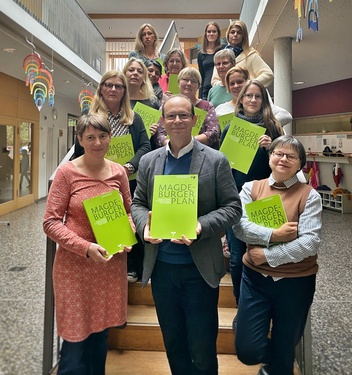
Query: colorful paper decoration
[85,98]
[39,80]
[298,7]
[312,14]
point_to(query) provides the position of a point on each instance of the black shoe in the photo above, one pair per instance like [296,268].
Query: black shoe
[264,370]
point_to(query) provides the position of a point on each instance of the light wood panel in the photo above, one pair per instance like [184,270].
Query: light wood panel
[155,363]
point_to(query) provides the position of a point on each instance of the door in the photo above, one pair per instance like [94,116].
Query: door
[18,174]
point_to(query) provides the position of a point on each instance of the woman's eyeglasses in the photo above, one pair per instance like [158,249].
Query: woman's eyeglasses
[251,96]
[289,157]
[118,86]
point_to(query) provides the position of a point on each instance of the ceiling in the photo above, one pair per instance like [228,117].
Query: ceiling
[321,57]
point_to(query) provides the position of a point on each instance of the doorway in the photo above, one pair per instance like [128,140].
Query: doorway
[17,167]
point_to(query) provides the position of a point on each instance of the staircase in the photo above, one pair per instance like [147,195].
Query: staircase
[139,350]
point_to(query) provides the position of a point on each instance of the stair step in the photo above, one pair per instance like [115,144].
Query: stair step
[143,331]
[143,296]
[132,362]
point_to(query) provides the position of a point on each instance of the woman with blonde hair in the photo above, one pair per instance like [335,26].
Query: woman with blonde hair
[211,44]
[235,78]
[140,88]
[146,44]
[189,81]
[246,56]
[112,100]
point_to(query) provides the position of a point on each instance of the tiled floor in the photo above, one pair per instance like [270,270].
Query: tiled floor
[22,278]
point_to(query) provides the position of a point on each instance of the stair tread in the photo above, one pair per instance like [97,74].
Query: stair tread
[146,315]
[133,362]
[225,281]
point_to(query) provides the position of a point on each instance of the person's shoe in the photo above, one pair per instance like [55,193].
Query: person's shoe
[264,370]
[234,324]
[132,276]
[225,247]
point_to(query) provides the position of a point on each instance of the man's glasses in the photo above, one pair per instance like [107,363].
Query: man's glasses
[182,116]
[118,86]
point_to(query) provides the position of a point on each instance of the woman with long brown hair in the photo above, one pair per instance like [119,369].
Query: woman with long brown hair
[253,106]
[211,44]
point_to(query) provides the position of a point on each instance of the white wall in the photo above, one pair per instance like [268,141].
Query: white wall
[315,143]
[52,146]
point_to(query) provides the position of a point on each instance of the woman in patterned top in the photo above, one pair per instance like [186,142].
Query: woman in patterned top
[90,288]
[189,81]
[113,101]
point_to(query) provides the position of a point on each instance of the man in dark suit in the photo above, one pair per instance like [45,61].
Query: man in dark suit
[185,274]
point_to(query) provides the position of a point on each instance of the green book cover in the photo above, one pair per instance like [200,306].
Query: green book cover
[267,212]
[175,206]
[241,143]
[173,84]
[225,120]
[121,151]
[149,115]
[202,114]
[109,221]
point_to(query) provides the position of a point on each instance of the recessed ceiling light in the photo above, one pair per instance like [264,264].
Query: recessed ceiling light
[298,82]
[9,50]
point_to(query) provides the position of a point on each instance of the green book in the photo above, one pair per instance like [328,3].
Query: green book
[225,120]
[175,206]
[267,212]
[109,221]
[241,143]
[173,84]
[121,151]
[202,114]
[149,115]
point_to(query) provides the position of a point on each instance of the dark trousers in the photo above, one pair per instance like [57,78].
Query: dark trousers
[187,312]
[136,255]
[285,303]
[85,357]
[237,249]
[135,258]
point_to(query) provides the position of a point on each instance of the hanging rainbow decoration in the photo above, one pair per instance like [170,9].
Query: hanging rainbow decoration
[39,80]
[85,98]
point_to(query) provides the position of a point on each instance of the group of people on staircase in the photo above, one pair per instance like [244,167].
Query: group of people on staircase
[273,269]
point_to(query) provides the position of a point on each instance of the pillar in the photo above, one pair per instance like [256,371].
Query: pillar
[283,75]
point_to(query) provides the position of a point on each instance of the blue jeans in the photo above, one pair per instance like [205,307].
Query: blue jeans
[85,357]
[187,312]
[237,249]
[285,304]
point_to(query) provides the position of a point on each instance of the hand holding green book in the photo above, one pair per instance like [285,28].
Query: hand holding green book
[174,207]
[267,212]
[109,221]
[240,144]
